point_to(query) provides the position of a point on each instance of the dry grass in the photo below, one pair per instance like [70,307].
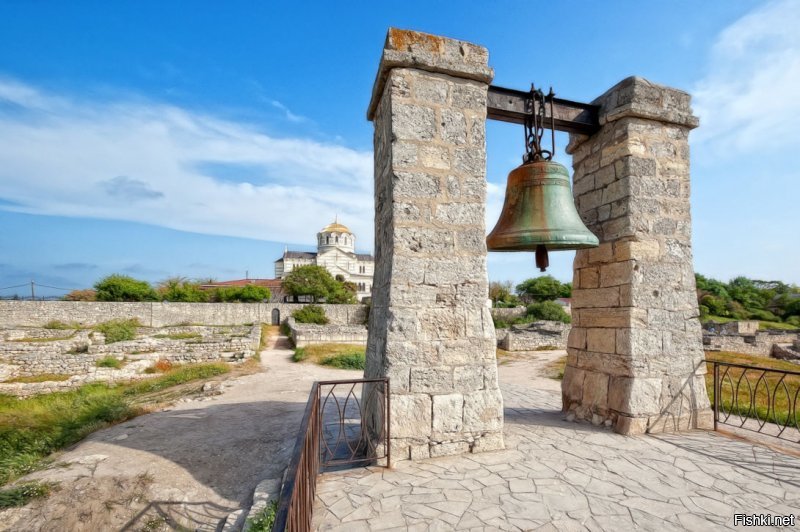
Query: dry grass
[555,369]
[44,377]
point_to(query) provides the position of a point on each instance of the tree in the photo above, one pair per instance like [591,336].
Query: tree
[318,283]
[181,289]
[544,288]
[501,296]
[81,295]
[124,288]
[311,314]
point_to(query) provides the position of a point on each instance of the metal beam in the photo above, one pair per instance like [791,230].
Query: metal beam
[509,105]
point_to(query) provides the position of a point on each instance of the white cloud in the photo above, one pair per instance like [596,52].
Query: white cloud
[748,103]
[142,161]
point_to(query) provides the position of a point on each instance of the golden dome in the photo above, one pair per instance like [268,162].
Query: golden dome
[335,227]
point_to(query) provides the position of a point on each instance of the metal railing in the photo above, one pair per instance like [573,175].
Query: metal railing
[346,422]
[763,400]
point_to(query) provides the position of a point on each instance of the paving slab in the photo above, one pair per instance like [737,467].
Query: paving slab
[561,475]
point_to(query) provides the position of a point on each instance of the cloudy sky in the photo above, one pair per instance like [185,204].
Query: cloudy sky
[155,140]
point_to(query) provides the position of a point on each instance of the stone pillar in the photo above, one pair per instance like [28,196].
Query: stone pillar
[635,355]
[430,330]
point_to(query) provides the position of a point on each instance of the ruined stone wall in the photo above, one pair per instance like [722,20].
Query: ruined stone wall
[759,344]
[509,313]
[78,352]
[635,356]
[158,314]
[304,334]
[537,335]
[430,328]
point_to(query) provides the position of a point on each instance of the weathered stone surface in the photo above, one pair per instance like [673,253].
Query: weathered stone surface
[635,350]
[429,326]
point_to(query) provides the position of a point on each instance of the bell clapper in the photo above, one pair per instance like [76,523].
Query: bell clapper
[542,260]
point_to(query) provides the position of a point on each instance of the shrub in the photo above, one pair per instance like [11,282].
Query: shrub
[299,355]
[118,330]
[500,323]
[109,362]
[763,315]
[124,288]
[285,328]
[311,314]
[181,290]
[353,360]
[548,310]
[81,295]
[793,320]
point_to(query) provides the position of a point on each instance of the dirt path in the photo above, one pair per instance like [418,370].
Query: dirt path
[187,466]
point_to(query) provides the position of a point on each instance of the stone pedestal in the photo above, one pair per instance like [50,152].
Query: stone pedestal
[635,357]
[430,330]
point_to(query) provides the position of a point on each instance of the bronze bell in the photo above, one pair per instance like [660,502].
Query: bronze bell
[539,213]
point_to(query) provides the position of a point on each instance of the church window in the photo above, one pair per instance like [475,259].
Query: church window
[328,239]
[337,239]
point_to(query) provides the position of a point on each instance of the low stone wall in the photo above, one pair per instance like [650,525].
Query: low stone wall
[78,354]
[304,334]
[537,335]
[508,313]
[785,352]
[160,314]
[759,344]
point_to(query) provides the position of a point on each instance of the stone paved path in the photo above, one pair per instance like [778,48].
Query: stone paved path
[557,475]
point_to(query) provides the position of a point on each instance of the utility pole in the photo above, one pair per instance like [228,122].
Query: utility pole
[33,293]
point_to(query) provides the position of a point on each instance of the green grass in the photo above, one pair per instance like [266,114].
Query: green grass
[263,520]
[353,360]
[24,493]
[44,377]
[179,336]
[300,354]
[118,330]
[32,428]
[109,362]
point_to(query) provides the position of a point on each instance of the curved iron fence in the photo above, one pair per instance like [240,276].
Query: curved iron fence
[758,399]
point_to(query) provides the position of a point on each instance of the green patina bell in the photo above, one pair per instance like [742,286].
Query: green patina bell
[539,213]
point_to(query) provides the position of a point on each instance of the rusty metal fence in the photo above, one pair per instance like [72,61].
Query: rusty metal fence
[346,423]
[757,399]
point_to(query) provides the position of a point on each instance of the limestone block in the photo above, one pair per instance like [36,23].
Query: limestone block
[430,89]
[448,413]
[635,396]
[432,380]
[601,340]
[483,411]
[595,297]
[413,122]
[411,415]
[492,441]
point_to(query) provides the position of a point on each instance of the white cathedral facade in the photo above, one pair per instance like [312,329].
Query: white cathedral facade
[336,253]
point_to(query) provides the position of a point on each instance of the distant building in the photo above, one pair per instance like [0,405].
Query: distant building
[336,253]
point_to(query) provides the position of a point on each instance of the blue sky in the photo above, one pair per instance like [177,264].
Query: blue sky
[168,138]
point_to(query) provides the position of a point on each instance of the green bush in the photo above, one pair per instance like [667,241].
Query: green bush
[300,354]
[263,520]
[311,314]
[284,328]
[353,360]
[793,320]
[500,323]
[763,315]
[548,310]
[180,290]
[118,330]
[109,362]
[124,288]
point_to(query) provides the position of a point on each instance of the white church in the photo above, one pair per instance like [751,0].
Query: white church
[336,253]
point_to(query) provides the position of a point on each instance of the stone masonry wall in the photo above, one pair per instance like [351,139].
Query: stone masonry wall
[759,344]
[158,314]
[536,335]
[430,328]
[635,355]
[304,334]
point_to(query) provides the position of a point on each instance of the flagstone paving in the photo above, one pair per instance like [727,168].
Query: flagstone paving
[560,475]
